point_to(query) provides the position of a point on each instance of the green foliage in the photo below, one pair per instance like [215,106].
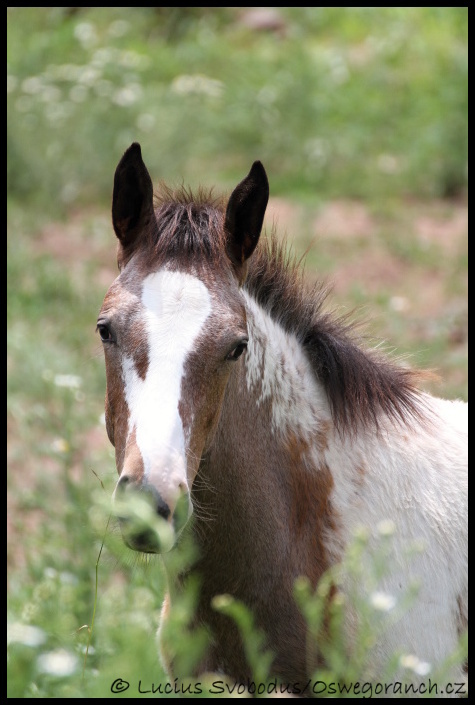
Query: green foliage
[359,101]
[338,103]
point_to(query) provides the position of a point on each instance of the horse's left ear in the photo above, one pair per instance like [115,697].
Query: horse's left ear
[245,215]
[132,199]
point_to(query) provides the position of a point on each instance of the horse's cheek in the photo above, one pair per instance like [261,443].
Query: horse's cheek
[116,412]
[211,413]
[109,418]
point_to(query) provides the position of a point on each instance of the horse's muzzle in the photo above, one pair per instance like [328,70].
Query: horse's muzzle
[146,521]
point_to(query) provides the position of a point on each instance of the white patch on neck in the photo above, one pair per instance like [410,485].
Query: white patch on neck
[176,306]
[278,369]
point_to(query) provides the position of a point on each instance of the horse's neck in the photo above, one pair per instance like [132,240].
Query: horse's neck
[276,443]
[279,377]
[265,476]
[281,492]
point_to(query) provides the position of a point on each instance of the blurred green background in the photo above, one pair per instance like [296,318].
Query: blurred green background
[360,118]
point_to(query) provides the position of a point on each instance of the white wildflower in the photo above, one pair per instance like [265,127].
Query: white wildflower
[411,662]
[197,83]
[58,663]
[32,85]
[398,303]
[71,381]
[128,95]
[381,601]
[25,634]
[85,33]
[60,445]
[386,527]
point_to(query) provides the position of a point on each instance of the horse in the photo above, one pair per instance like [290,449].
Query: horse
[256,420]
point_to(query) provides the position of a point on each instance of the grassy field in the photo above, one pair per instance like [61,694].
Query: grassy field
[360,118]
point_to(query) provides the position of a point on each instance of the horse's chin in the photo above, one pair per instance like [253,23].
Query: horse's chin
[147,540]
[145,532]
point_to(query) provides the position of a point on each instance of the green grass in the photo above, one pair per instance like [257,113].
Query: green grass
[354,101]
[350,105]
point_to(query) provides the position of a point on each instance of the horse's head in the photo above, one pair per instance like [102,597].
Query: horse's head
[173,326]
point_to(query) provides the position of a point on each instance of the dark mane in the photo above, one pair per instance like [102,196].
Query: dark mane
[361,384]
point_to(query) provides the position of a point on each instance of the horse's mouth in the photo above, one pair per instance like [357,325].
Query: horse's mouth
[144,527]
[159,538]
[145,541]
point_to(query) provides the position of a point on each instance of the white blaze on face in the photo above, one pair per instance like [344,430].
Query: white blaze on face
[176,305]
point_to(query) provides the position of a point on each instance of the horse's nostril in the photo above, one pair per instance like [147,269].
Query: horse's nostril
[123,482]
[163,510]
[126,483]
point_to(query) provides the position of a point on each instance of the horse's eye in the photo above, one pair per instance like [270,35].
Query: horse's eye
[237,351]
[104,332]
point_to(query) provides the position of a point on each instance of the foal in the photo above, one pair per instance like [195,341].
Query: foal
[231,391]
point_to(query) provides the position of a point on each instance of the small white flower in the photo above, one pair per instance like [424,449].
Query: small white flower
[89,650]
[71,381]
[386,527]
[381,601]
[68,578]
[399,303]
[60,445]
[411,662]
[103,56]
[85,33]
[89,76]
[32,85]
[362,533]
[128,95]
[25,634]
[58,663]
[197,83]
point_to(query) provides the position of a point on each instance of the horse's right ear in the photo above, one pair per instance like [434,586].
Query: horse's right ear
[132,199]
[245,215]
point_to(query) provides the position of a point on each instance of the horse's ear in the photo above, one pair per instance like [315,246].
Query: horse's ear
[132,199]
[245,215]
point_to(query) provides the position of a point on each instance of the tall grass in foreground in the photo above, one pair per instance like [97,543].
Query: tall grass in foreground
[345,669]
[52,655]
